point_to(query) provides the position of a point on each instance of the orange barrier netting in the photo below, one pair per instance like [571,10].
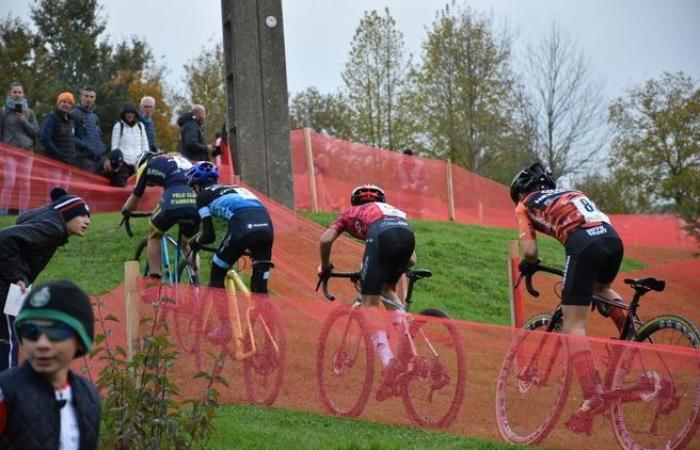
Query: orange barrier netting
[464,378]
[419,186]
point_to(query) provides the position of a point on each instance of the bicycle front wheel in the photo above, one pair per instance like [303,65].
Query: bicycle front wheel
[663,385]
[533,383]
[264,370]
[432,389]
[345,362]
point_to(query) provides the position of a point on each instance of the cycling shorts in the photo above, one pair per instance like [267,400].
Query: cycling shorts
[177,206]
[388,249]
[250,229]
[592,255]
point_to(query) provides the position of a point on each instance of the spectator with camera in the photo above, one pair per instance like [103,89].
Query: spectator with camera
[19,128]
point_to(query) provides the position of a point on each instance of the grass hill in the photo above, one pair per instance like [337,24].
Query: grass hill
[470,282]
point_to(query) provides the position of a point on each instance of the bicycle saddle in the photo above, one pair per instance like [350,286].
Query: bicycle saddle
[649,283]
[418,274]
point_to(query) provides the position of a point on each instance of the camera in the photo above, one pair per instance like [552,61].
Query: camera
[18,107]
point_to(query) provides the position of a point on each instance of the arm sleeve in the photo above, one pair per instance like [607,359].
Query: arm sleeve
[190,140]
[526,231]
[144,137]
[17,240]
[80,143]
[47,131]
[208,235]
[115,136]
[31,126]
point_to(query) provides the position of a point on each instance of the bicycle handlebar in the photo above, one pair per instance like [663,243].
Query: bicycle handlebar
[528,277]
[323,281]
[127,217]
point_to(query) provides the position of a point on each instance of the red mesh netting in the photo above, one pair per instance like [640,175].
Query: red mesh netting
[466,378]
[419,186]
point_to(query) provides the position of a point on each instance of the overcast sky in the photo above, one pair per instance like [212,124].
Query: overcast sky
[627,41]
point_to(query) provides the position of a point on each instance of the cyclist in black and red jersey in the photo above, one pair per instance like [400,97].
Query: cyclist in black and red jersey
[389,251]
[177,205]
[593,255]
[249,228]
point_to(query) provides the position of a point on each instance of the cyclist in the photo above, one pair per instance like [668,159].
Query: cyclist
[389,251]
[177,204]
[593,256]
[249,228]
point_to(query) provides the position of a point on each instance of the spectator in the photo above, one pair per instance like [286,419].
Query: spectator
[148,106]
[114,169]
[45,405]
[88,135]
[18,127]
[129,136]
[58,140]
[193,144]
[412,183]
[28,246]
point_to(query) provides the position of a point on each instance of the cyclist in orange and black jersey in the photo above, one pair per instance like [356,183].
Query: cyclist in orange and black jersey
[593,255]
[389,251]
[177,204]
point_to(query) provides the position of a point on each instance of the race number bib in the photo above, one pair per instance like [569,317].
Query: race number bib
[389,210]
[245,193]
[589,211]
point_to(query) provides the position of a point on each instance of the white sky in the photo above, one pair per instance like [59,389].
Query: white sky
[627,41]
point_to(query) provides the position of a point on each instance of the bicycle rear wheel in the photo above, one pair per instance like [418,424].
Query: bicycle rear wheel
[533,383]
[433,387]
[345,362]
[664,384]
[264,370]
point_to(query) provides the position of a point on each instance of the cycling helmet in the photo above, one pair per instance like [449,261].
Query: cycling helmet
[532,178]
[202,173]
[145,157]
[367,193]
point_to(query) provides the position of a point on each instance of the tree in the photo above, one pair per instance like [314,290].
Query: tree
[569,112]
[465,90]
[204,81]
[656,147]
[327,114]
[374,78]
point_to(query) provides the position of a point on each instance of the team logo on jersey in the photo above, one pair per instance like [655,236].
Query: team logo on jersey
[41,298]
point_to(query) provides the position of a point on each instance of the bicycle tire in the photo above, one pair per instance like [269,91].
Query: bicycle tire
[430,371]
[677,391]
[516,412]
[142,257]
[347,397]
[263,372]
[187,272]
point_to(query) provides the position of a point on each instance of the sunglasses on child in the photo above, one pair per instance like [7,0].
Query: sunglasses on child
[55,331]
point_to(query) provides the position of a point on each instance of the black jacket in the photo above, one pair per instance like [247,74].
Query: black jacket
[193,144]
[34,414]
[57,136]
[28,246]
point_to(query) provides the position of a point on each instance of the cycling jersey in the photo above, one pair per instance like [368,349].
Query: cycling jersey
[162,170]
[557,213]
[224,201]
[357,220]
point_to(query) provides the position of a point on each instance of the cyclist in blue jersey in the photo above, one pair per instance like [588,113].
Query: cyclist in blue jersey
[176,206]
[249,228]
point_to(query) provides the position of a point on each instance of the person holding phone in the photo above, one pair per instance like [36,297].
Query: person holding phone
[19,128]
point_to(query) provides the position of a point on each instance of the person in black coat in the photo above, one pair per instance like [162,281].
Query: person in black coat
[193,144]
[28,246]
[45,405]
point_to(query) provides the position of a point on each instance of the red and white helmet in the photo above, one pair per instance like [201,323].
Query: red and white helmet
[367,193]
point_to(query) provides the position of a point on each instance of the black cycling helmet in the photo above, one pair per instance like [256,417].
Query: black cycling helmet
[367,193]
[532,178]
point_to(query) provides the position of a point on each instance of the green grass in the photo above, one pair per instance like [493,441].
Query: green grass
[470,282]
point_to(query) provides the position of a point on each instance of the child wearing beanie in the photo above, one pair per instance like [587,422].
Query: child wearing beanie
[28,246]
[61,408]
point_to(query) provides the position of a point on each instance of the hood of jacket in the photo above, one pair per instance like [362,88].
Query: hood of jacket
[185,118]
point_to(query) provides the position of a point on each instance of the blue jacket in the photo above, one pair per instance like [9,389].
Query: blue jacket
[88,134]
[150,132]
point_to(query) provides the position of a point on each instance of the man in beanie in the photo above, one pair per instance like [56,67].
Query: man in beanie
[57,137]
[43,404]
[28,246]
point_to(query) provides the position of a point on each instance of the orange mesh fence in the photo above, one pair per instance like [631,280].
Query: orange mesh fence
[419,186]
[465,378]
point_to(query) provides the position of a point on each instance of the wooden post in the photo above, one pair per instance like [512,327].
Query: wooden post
[516,299]
[450,193]
[133,308]
[311,169]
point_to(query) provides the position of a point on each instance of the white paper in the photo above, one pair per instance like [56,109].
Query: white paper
[15,299]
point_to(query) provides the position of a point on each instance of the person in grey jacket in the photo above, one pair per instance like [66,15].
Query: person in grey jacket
[19,128]
[28,246]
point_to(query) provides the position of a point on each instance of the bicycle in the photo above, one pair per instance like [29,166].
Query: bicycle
[431,387]
[639,387]
[260,344]
[172,298]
